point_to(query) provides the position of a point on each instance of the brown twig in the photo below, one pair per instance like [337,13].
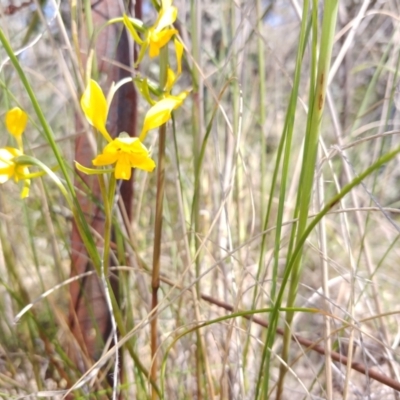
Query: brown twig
[155,281]
[315,347]
[11,9]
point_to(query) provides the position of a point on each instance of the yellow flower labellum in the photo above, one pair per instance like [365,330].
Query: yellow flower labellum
[126,153]
[9,169]
[160,113]
[95,108]
[157,40]
[16,120]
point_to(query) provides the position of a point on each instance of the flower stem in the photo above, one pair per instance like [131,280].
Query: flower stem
[108,199]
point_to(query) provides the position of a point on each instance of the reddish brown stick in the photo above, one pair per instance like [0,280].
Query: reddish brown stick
[89,316]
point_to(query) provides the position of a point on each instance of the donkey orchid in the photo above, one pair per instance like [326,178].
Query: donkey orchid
[125,152]
[157,36]
[16,120]
[161,111]
[9,168]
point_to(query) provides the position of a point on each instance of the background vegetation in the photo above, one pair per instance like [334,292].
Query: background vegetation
[280,211]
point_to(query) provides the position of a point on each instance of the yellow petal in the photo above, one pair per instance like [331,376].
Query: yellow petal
[25,189]
[160,113]
[6,173]
[167,17]
[128,24]
[165,4]
[94,106]
[7,154]
[21,172]
[7,169]
[158,40]
[7,165]
[132,145]
[141,159]
[146,165]
[127,152]
[10,169]
[123,168]
[171,78]
[105,159]
[178,100]
[16,120]
[179,53]
[154,50]
[91,171]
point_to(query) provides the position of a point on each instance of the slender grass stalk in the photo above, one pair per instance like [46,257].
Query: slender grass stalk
[197,126]
[262,108]
[75,36]
[201,360]
[231,175]
[211,390]
[370,91]
[325,278]
[155,280]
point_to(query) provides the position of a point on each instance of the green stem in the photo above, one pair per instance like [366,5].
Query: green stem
[309,159]
[197,124]
[108,200]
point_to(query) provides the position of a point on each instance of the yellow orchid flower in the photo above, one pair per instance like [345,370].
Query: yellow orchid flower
[158,39]
[95,108]
[126,153]
[10,169]
[161,112]
[157,36]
